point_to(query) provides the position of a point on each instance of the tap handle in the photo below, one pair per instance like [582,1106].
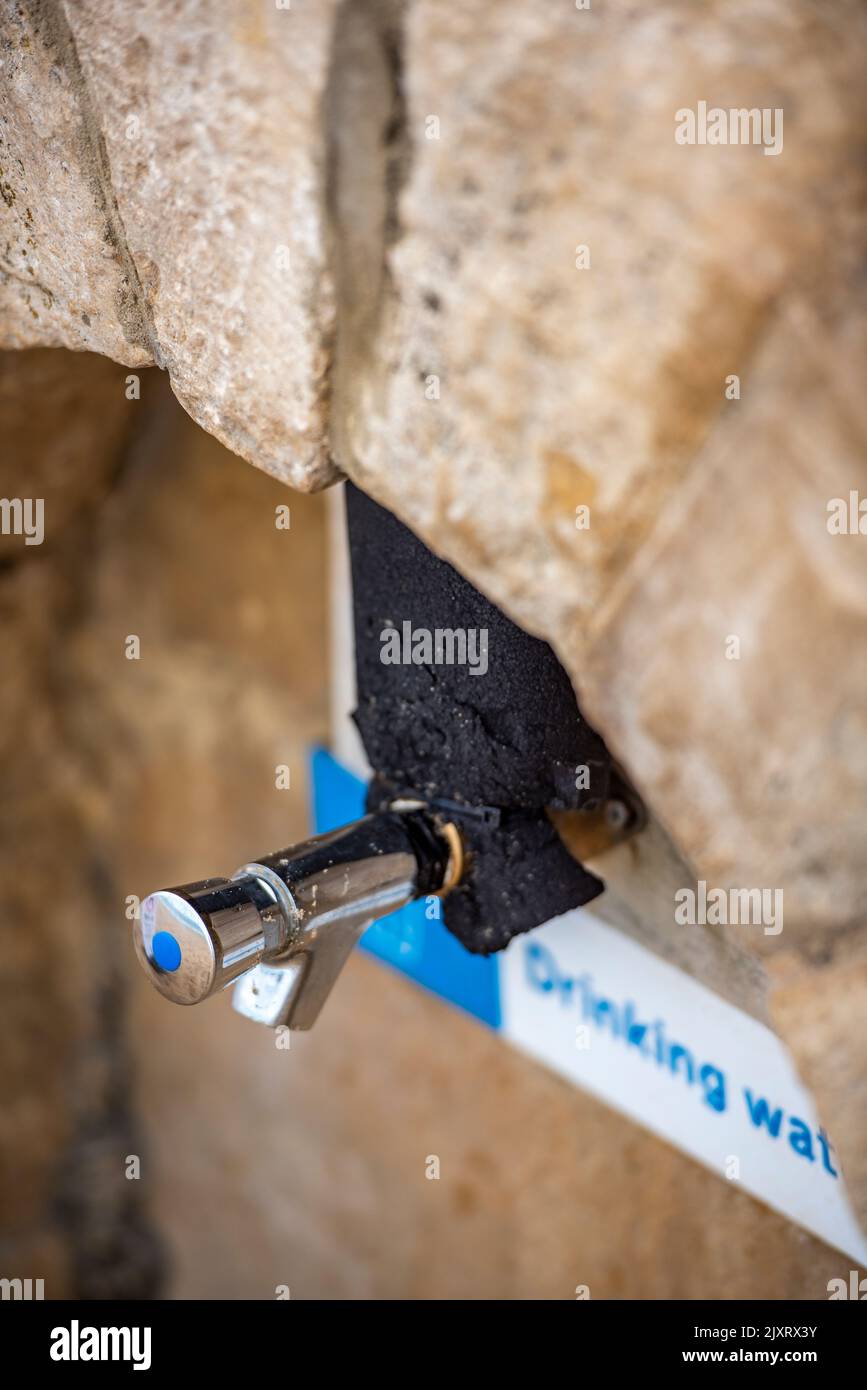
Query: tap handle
[195,940]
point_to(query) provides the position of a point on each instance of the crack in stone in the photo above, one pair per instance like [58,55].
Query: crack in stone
[29,284]
[367,163]
[50,21]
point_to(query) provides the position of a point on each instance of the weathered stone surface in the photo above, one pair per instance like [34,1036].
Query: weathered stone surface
[605,386]
[165,195]
[68,1215]
[66,275]
[820,1010]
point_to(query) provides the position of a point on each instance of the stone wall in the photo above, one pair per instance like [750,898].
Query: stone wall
[457,253]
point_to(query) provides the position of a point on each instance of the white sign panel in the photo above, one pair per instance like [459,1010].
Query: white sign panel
[652,1042]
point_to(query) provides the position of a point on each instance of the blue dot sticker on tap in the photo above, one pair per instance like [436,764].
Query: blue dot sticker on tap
[165,951]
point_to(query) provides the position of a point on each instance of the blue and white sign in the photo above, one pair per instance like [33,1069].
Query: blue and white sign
[644,1037]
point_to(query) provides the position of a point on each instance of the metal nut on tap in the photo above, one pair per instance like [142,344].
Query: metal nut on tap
[281,929]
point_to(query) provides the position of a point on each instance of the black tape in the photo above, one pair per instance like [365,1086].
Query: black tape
[504,742]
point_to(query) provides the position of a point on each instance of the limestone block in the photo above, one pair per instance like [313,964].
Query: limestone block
[164,201]
[66,277]
[819,1007]
[498,387]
